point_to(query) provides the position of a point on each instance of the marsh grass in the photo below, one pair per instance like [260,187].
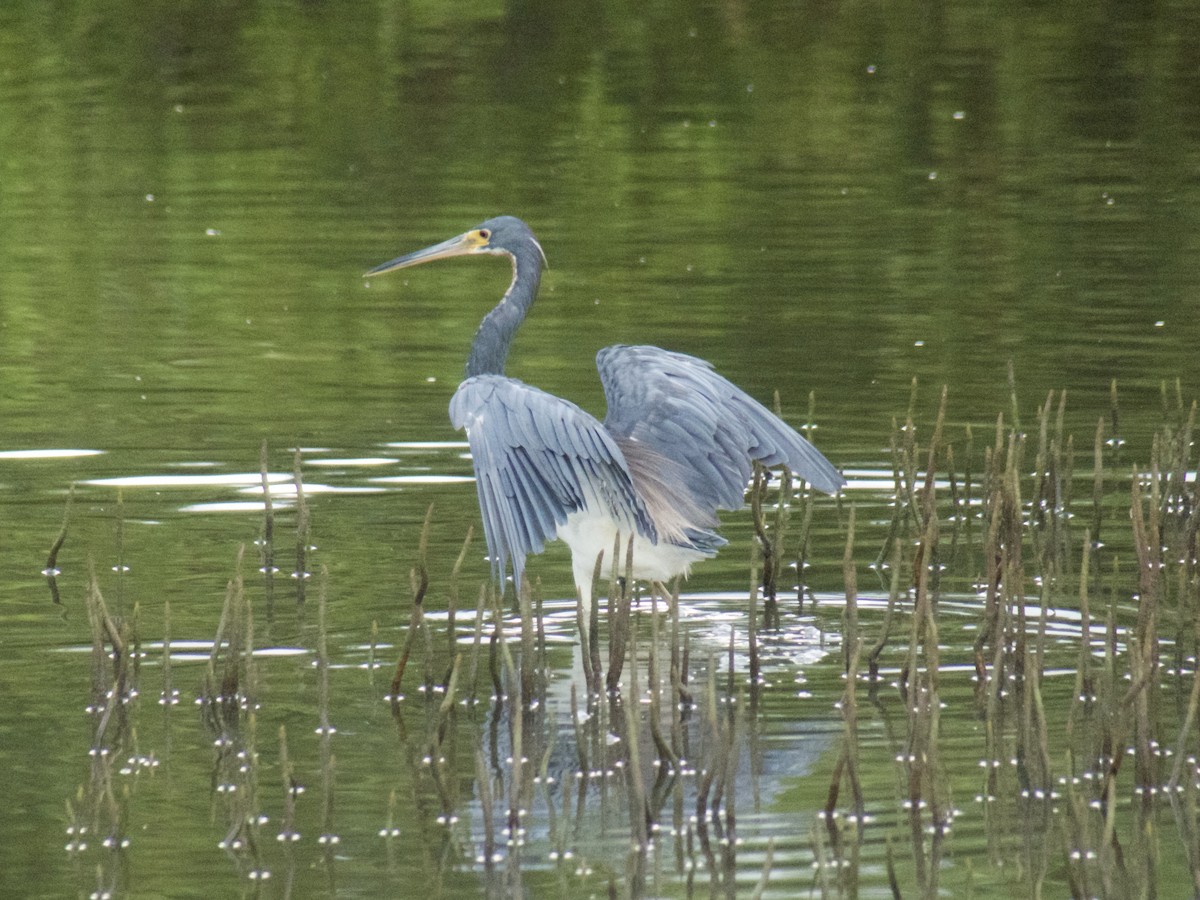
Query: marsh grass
[98,814]
[266,540]
[649,744]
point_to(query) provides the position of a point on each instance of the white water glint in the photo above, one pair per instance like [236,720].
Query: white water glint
[48,453]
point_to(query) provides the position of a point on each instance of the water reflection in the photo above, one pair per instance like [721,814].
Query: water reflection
[584,779]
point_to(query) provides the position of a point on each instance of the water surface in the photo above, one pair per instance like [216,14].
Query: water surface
[836,199]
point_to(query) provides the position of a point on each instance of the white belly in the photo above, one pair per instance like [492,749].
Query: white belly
[588,536]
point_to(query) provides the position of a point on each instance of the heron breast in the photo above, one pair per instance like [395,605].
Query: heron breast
[588,535]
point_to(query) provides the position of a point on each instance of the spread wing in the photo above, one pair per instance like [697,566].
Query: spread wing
[537,459]
[679,408]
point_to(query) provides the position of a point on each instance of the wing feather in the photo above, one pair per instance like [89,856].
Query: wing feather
[682,410]
[537,459]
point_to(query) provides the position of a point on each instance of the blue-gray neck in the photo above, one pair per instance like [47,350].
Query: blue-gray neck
[489,351]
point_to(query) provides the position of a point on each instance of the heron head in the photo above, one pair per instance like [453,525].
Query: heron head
[505,235]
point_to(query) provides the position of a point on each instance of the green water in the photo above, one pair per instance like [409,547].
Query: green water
[828,198]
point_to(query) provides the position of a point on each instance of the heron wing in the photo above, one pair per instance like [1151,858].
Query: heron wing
[677,407]
[537,459]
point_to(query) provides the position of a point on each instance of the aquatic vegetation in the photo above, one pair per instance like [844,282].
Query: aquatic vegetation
[1017,687]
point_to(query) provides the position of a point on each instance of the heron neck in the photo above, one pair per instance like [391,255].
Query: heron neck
[489,351]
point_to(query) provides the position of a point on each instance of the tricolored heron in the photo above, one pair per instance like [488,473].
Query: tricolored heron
[678,442]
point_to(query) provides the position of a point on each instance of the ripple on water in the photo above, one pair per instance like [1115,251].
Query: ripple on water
[48,453]
[224,479]
[192,651]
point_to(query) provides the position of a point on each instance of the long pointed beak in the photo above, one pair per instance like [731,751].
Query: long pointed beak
[462,245]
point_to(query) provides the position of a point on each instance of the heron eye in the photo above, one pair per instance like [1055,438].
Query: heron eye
[484,233]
